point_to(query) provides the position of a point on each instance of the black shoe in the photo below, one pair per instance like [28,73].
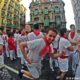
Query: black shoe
[20,74]
[24,67]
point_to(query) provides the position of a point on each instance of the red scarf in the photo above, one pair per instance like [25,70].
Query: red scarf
[36,32]
[72,34]
[46,48]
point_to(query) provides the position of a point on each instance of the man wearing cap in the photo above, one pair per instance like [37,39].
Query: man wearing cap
[35,34]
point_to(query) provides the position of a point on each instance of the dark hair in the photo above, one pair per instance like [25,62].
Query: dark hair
[72,25]
[51,29]
[10,34]
[36,25]
[62,31]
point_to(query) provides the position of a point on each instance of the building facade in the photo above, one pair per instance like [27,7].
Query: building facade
[48,13]
[22,16]
[76,10]
[10,14]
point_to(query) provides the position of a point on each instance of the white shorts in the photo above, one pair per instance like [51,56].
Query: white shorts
[63,64]
[77,75]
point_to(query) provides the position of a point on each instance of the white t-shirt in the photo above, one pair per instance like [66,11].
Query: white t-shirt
[34,47]
[73,40]
[22,38]
[32,36]
[63,45]
[77,38]
[16,36]
[1,56]
[56,42]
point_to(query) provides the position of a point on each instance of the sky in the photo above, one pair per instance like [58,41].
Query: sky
[68,11]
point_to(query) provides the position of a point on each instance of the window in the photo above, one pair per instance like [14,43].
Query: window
[45,10]
[9,16]
[2,21]
[36,2]
[46,22]
[57,10]
[9,22]
[58,20]
[10,9]
[4,8]
[3,13]
[11,2]
[36,12]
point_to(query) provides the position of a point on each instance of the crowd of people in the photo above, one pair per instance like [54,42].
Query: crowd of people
[31,47]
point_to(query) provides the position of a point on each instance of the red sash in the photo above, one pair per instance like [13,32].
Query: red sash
[62,56]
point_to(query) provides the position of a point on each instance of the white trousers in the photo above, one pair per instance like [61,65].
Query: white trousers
[12,54]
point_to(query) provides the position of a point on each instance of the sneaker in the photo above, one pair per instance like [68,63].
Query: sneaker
[20,74]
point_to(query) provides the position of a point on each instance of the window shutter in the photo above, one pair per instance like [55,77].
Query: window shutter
[36,2]
[58,20]
[56,10]
[46,22]
[45,11]
[36,12]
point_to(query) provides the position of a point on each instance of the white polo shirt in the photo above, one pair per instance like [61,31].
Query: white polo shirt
[63,45]
[1,56]
[34,47]
[32,36]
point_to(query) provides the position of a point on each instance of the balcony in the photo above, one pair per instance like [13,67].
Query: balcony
[4,8]
[58,20]
[9,23]
[11,4]
[45,11]
[56,10]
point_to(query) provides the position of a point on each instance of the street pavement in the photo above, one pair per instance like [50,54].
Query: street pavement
[14,67]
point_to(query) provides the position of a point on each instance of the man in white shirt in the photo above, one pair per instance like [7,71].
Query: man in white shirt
[64,46]
[37,50]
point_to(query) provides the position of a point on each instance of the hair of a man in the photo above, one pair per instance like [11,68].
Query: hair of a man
[51,29]
[62,31]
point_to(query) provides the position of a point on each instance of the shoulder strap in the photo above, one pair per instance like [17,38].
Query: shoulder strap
[58,43]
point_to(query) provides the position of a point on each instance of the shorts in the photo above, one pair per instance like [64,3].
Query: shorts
[63,64]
